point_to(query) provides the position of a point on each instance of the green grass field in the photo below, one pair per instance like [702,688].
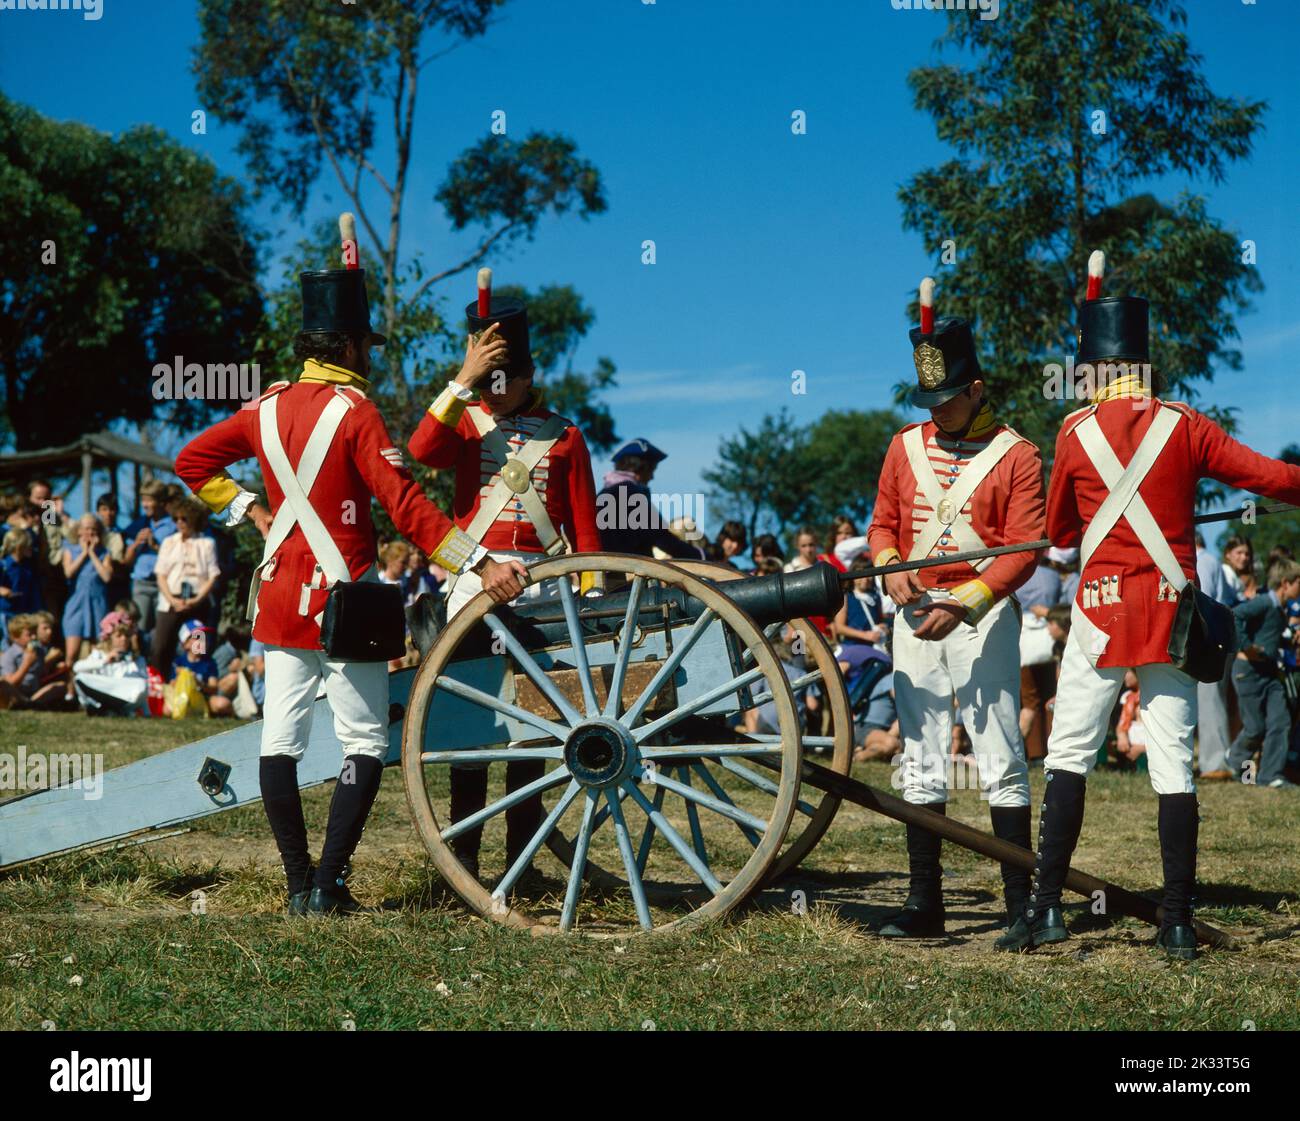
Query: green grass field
[109,939]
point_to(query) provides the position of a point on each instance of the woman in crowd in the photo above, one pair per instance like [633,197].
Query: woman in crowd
[1239,567]
[88,569]
[186,570]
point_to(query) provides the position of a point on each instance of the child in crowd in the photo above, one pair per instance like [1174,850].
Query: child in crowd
[89,569]
[22,667]
[113,680]
[20,589]
[194,656]
[1130,736]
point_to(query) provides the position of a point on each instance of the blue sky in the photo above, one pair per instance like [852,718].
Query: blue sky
[775,252]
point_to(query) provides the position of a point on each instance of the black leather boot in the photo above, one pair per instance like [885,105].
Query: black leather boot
[1058,832]
[922,915]
[1179,824]
[354,794]
[522,820]
[278,779]
[1012,824]
[468,796]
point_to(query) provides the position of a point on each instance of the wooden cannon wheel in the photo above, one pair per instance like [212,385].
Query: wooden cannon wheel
[707,835]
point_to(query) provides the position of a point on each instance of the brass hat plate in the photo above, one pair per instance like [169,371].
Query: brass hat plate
[515,475]
[929,365]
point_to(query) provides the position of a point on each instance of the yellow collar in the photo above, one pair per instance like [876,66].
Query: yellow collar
[983,423]
[324,372]
[1130,385]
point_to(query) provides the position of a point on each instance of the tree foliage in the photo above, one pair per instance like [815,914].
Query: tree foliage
[785,475]
[152,258]
[1036,185]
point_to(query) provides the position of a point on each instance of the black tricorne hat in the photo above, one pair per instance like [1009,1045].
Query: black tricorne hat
[1113,329]
[335,300]
[513,317]
[945,360]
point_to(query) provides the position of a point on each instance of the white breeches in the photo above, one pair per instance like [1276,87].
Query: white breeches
[1085,696]
[468,584]
[357,693]
[980,666]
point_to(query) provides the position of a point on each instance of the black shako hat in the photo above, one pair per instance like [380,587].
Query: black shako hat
[945,362]
[335,300]
[1113,329]
[513,317]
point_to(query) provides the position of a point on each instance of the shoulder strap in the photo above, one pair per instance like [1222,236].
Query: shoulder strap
[1123,501]
[297,508]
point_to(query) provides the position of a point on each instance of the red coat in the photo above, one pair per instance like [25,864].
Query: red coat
[562,478]
[361,462]
[1140,623]
[1006,507]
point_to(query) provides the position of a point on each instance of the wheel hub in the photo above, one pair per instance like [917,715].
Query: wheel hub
[600,753]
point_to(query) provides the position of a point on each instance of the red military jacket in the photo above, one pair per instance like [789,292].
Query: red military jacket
[1005,508]
[362,461]
[447,437]
[1138,625]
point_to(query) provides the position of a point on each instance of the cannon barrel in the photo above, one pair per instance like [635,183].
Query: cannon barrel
[781,596]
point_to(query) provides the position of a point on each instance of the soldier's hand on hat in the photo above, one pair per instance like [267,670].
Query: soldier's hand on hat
[482,357]
[503,580]
[941,619]
[904,587]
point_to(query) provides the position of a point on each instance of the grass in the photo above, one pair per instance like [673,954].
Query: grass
[111,939]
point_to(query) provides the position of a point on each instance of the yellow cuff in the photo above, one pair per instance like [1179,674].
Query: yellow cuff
[591,581]
[447,408]
[218,492]
[976,596]
[889,556]
[454,550]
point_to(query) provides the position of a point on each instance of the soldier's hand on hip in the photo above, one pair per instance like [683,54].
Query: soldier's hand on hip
[261,517]
[904,587]
[482,357]
[504,580]
[940,619]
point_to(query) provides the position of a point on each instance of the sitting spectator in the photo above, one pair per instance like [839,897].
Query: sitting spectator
[764,718]
[54,666]
[194,656]
[871,692]
[1265,718]
[861,618]
[805,550]
[21,667]
[186,571]
[113,680]
[1130,735]
[20,590]
[88,569]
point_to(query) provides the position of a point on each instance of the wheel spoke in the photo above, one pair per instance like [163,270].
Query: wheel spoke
[713,784]
[707,878]
[530,850]
[496,704]
[795,685]
[614,700]
[648,834]
[693,817]
[807,741]
[710,749]
[580,846]
[630,865]
[535,673]
[731,810]
[537,786]
[579,645]
[671,663]
[492,755]
[769,787]
[702,701]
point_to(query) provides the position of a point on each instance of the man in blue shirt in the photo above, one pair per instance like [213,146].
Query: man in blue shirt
[142,537]
[1212,737]
[1265,717]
